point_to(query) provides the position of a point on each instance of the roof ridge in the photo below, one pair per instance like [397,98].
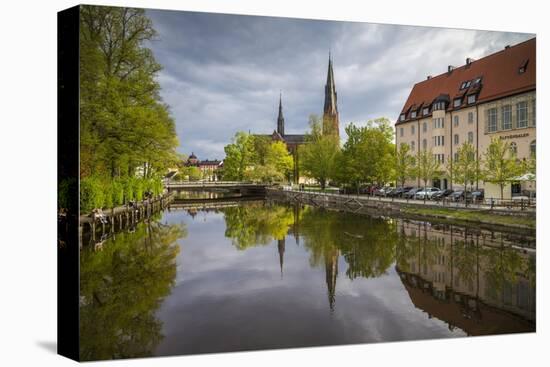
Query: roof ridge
[477,60]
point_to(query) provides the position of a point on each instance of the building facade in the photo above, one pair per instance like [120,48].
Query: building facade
[210,169]
[493,97]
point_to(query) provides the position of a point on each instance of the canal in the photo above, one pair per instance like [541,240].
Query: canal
[261,274]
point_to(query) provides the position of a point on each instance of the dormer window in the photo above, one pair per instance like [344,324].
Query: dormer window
[425,111]
[471,98]
[457,102]
[402,117]
[463,85]
[477,81]
[439,106]
[523,66]
[413,114]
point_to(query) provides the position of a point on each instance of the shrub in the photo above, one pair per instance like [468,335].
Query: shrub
[91,194]
[118,192]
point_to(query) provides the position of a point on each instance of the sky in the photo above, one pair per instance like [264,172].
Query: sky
[224,73]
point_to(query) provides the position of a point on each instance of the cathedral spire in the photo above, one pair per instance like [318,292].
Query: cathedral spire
[280,118]
[330,111]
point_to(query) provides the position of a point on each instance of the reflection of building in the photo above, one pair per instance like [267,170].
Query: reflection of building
[473,281]
[281,248]
[493,97]
[331,273]
[209,168]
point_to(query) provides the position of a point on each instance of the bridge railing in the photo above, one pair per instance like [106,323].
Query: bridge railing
[211,183]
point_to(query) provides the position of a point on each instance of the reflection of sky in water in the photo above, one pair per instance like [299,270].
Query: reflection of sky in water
[228,299]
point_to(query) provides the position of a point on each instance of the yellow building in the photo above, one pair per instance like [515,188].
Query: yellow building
[490,97]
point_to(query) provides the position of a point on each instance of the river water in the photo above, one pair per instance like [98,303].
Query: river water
[263,275]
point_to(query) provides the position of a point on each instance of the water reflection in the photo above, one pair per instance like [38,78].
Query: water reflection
[122,283]
[263,275]
[479,270]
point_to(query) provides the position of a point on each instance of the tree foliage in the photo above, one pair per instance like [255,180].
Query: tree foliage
[427,166]
[124,125]
[465,169]
[404,164]
[500,164]
[320,154]
[256,158]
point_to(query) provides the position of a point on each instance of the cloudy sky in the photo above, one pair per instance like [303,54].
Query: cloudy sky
[223,73]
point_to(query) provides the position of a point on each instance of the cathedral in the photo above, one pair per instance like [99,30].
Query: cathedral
[330,122]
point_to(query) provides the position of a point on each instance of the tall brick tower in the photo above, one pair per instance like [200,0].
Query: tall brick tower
[331,123]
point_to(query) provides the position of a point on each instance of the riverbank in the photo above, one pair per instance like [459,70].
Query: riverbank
[505,220]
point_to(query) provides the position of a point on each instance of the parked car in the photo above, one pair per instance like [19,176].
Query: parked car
[410,194]
[459,195]
[478,196]
[398,192]
[442,194]
[426,193]
[383,191]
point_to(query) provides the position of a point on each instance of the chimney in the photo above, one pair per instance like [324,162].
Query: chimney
[506,47]
[450,68]
[428,77]
[469,60]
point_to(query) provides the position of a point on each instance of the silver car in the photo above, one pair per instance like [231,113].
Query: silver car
[426,193]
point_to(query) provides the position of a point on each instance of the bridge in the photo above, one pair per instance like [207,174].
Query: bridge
[244,188]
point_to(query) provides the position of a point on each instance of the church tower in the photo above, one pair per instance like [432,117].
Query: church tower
[331,124]
[280,118]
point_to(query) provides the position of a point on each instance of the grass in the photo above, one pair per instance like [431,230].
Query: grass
[474,216]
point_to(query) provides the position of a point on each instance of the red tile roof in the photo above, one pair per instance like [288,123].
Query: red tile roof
[500,78]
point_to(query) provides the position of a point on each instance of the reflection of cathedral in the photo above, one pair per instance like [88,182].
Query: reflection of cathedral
[331,273]
[467,281]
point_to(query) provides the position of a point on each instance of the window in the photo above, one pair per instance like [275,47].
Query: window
[471,98]
[522,114]
[506,117]
[457,102]
[477,81]
[426,111]
[412,129]
[413,114]
[424,127]
[439,106]
[412,146]
[455,121]
[492,120]
[402,117]
[514,148]
[468,83]
[523,67]
[463,85]
[471,137]
[470,117]
[533,148]
[456,157]
[401,132]
[439,123]
[456,139]
[439,140]
[424,144]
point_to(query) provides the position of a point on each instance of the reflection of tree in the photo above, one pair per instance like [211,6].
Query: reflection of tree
[121,288]
[367,244]
[502,264]
[257,224]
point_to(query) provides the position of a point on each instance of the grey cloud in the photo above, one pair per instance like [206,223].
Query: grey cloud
[223,73]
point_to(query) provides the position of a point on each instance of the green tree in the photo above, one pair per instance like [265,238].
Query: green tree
[404,163]
[238,156]
[427,167]
[271,160]
[500,164]
[466,168]
[320,153]
[369,153]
